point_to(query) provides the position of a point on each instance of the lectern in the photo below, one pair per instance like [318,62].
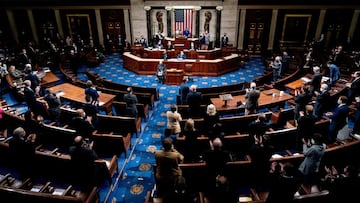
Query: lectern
[225,98]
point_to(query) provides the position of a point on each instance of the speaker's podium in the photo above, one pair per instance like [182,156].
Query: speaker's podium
[174,76]
[225,98]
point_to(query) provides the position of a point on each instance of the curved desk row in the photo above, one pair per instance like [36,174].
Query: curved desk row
[216,67]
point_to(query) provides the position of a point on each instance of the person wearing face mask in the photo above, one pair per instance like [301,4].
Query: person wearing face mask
[338,118]
[313,151]
[276,67]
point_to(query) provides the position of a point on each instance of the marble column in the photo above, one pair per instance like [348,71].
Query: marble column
[127,26]
[353,24]
[320,24]
[197,21]
[168,21]
[272,29]
[241,29]
[218,22]
[99,27]
[12,24]
[33,26]
[148,23]
[59,23]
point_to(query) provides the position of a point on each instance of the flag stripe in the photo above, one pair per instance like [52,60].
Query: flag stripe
[183,19]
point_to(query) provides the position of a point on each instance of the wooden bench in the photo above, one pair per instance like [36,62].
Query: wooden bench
[120,109]
[120,125]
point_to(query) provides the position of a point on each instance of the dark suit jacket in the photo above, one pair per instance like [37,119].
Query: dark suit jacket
[82,127]
[315,82]
[184,91]
[131,101]
[30,97]
[338,119]
[321,104]
[252,99]
[354,89]
[193,99]
[92,93]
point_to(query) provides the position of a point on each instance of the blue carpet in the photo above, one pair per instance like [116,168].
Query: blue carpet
[137,176]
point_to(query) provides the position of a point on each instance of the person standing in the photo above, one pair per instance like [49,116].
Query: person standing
[92,92]
[322,99]
[184,90]
[354,87]
[252,96]
[224,40]
[193,99]
[313,151]
[82,159]
[285,62]
[131,101]
[356,129]
[83,126]
[173,120]
[334,73]
[302,98]
[315,82]
[167,168]
[338,118]
[276,66]
[160,73]
[181,55]
[306,126]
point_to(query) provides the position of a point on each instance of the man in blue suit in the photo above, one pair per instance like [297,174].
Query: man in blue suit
[338,118]
[334,73]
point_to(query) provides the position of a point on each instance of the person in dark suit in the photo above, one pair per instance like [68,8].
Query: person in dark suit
[82,159]
[306,126]
[23,58]
[354,87]
[258,127]
[22,151]
[29,75]
[36,104]
[54,103]
[315,82]
[164,55]
[92,92]
[284,185]
[252,97]
[184,90]
[322,101]
[131,101]
[356,129]
[224,40]
[91,110]
[120,43]
[302,98]
[211,119]
[338,118]
[82,124]
[193,99]
[169,46]
[181,55]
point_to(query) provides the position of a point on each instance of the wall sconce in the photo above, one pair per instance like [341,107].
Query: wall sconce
[197,8]
[168,8]
[147,8]
[219,8]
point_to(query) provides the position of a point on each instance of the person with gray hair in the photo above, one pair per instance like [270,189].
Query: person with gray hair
[315,82]
[22,151]
[252,96]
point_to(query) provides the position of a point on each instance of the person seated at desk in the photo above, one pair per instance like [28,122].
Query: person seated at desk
[169,46]
[186,33]
[164,55]
[181,55]
[193,46]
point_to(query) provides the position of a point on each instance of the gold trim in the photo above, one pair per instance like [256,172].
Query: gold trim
[308,16]
[68,16]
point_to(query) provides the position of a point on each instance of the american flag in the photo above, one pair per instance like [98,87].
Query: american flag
[183,19]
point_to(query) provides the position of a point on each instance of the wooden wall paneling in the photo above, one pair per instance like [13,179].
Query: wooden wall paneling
[46,24]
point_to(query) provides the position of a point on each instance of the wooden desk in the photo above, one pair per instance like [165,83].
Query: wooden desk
[297,84]
[265,100]
[174,76]
[77,94]
[49,80]
[216,67]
